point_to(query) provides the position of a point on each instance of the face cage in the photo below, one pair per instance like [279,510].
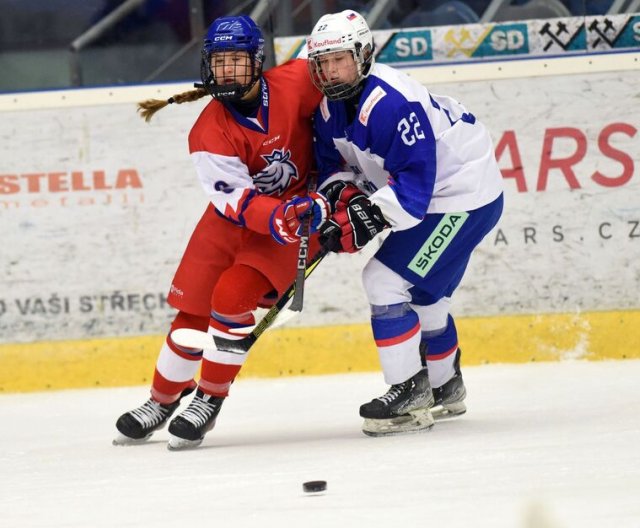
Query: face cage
[227,92]
[337,92]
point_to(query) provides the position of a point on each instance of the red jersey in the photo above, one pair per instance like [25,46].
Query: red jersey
[247,167]
[244,163]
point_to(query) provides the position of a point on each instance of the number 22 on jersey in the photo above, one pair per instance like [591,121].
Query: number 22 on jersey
[410,130]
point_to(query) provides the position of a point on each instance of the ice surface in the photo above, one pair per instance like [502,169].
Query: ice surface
[543,445]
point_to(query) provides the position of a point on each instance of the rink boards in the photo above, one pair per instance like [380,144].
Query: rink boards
[124,361]
[96,207]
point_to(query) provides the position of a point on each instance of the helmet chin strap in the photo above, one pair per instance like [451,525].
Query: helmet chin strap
[227,92]
[231,92]
[341,91]
[248,102]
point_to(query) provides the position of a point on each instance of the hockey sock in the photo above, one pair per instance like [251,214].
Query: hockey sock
[235,296]
[231,326]
[441,353]
[177,366]
[216,378]
[219,367]
[396,330]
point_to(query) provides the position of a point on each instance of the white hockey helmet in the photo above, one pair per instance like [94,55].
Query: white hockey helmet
[344,31]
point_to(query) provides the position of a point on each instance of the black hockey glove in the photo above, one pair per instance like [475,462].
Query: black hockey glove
[351,228]
[340,193]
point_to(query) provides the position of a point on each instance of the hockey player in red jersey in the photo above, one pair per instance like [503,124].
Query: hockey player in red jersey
[252,149]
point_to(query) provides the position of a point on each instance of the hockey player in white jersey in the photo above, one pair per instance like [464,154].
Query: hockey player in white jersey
[393,155]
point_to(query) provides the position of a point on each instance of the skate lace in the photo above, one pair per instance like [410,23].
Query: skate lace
[393,393]
[150,414]
[198,412]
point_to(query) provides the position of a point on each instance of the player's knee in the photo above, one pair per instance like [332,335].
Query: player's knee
[238,290]
[187,320]
[434,317]
[384,286]
[390,311]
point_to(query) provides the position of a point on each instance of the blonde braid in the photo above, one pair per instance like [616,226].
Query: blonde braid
[151,106]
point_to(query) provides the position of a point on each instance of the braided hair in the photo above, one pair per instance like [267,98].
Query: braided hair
[232,33]
[148,108]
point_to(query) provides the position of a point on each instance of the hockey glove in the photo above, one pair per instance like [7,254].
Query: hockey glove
[340,193]
[286,219]
[351,228]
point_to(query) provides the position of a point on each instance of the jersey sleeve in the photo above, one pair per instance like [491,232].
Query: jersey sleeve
[227,183]
[404,139]
[328,160]
[310,95]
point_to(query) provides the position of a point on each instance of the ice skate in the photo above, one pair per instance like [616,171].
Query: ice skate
[137,426]
[405,408]
[449,399]
[187,430]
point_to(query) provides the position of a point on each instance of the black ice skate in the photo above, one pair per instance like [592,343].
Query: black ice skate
[137,426]
[403,409]
[449,399]
[187,430]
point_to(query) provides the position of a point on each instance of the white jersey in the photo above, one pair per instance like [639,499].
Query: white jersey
[411,151]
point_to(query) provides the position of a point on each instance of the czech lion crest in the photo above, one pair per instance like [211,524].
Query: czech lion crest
[276,177]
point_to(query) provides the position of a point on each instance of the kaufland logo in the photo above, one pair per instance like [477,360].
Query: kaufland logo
[313,44]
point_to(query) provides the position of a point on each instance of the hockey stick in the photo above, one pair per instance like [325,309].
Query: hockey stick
[301,273]
[303,250]
[191,338]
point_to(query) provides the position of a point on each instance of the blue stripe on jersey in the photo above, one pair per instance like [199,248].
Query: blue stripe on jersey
[398,131]
[413,168]
[245,203]
[328,158]
[252,194]
[227,218]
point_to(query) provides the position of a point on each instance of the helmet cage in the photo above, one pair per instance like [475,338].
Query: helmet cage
[232,34]
[344,31]
[363,58]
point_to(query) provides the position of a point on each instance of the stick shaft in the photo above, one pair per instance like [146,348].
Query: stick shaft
[303,252]
[273,312]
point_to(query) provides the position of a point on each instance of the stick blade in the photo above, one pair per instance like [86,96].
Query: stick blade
[191,338]
[298,301]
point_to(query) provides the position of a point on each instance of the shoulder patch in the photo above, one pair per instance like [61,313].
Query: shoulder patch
[374,98]
[324,109]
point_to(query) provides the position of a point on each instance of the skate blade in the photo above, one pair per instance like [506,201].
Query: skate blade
[413,422]
[122,440]
[181,444]
[449,411]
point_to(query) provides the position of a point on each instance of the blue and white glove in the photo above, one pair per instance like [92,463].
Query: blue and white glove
[285,222]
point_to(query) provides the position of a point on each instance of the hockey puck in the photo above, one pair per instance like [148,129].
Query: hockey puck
[314,486]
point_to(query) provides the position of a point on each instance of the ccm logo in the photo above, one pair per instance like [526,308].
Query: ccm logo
[302,255]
